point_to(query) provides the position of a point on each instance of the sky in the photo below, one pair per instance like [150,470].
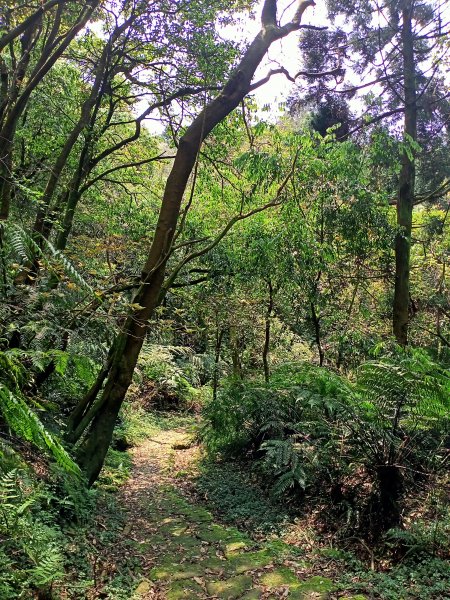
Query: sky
[283,53]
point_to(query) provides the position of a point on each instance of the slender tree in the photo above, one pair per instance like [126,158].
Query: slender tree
[43,37]
[99,414]
[395,50]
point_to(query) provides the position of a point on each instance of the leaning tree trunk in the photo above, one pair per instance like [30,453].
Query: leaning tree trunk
[101,417]
[405,201]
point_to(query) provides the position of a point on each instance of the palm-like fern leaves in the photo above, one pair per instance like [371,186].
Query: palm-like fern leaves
[25,423]
[26,249]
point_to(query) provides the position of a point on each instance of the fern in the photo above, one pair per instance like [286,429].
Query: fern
[25,423]
[26,250]
[30,547]
[283,461]
[46,558]
[17,243]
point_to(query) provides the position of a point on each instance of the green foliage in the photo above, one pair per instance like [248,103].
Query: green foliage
[284,460]
[174,372]
[30,547]
[403,409]
[231,492]
[310,425]
[22,420]
[25,423]
[26,249]
[136,423]
[293,422]
[426,578]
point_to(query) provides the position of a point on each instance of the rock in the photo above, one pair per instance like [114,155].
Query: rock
[250,561]
[315,588]
[234,548]
[183,444]
[253,594]
[143,588]
[171,571]
[184,589]
[229,589]
[280,577]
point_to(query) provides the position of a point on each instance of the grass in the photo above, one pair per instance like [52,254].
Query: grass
[136,424]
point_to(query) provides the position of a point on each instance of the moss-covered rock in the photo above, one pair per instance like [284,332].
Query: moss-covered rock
[196,515]
[184,589]
[215,534]
[249,561]
[143,588]
[172,571]
[175,529]
[234,548]
[314,588]
[253,594]
[183,541]
[213,564]
[280,577]
[229,589]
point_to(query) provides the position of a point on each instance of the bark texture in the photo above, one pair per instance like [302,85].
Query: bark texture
[406,191]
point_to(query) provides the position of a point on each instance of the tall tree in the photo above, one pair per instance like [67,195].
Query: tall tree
[394,49]
[35,41]
[99,415]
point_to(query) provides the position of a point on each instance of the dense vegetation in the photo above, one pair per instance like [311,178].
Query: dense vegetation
[168,244]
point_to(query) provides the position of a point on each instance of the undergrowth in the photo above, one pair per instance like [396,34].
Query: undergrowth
[230,493]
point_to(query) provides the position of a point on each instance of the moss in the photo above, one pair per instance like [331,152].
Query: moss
[171,571]
[143,588]
[215,534]
[184,589]
[174,528]
[184,444]
[234,548]
[230,588]
[250,561]
[253,594]
[315,587]
[281,576]
[212,564]
[198,515]
[183,541]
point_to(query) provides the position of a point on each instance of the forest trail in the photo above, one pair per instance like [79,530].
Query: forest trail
[183,552]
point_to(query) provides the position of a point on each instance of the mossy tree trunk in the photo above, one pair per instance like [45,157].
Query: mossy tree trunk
[405,200]
[101,417]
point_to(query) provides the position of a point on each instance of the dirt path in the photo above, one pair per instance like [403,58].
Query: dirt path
[183,553]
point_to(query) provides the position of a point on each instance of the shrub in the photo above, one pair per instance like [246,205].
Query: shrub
[310,426]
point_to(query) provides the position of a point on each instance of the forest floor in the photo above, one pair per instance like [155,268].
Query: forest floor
[180,549]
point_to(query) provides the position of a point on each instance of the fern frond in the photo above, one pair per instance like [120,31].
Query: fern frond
[25,423]
[26,249]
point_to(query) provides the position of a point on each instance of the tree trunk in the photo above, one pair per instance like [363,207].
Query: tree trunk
[266,348]
[390,486]
[219,338]
[405,200]
[104,413]
[101,75]
[317,334]
[48,58]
